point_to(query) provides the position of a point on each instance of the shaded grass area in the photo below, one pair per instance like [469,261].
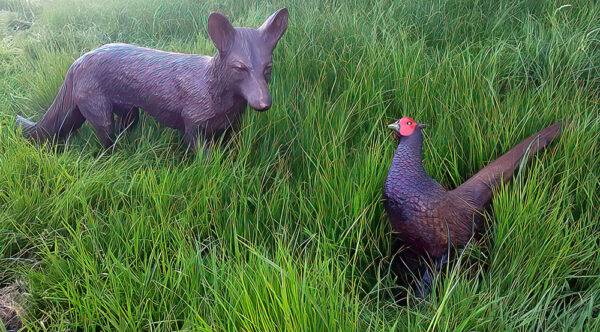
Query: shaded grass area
[281,227]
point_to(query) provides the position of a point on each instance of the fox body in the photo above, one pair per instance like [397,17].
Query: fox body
[200,95]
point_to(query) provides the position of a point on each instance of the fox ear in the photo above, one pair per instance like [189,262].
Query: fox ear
[275,26]
[221,32]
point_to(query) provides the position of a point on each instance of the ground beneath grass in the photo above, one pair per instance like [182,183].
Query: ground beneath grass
[11,306]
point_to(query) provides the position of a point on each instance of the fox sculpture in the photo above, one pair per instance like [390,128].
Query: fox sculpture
[201,95]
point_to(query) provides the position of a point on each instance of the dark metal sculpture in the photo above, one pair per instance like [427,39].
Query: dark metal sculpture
[201,95]
[430,219]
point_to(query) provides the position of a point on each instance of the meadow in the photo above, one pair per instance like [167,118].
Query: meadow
[281,227]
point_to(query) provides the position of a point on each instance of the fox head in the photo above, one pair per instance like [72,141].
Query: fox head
[244,55]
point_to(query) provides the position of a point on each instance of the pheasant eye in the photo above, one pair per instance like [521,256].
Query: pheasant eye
[409,123]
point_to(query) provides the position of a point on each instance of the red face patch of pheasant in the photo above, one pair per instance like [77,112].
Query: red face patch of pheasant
[407,126]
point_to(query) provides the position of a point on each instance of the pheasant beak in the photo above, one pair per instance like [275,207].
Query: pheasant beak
[394,126]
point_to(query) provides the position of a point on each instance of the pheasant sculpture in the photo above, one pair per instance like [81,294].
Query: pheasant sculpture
[430,219]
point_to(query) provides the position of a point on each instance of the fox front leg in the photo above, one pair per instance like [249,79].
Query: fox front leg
[194,135]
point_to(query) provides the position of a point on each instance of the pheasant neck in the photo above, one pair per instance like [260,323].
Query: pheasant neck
[407,158]
[407,178]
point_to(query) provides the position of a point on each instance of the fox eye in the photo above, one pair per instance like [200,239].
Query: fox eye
[267,71]
[240,68]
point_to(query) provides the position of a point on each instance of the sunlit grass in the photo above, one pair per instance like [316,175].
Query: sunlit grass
[281,227]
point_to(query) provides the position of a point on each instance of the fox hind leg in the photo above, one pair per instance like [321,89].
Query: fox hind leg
[70,123]
[105,132]
[98,111]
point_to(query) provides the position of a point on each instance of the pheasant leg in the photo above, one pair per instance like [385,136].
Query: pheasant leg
[423,288]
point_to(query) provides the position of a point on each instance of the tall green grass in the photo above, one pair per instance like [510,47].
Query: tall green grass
[281,227]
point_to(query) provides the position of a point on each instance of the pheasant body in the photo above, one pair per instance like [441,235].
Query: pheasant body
[431,219]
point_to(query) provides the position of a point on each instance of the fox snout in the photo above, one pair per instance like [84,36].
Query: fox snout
[257,94]
[261,105]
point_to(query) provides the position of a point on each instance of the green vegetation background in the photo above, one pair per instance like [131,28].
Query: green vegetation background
[282,227]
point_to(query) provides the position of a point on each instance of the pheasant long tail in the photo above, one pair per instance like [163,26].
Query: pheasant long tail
[479,187]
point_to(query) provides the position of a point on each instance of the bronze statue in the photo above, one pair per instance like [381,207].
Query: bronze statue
[201,95]
[432,220]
